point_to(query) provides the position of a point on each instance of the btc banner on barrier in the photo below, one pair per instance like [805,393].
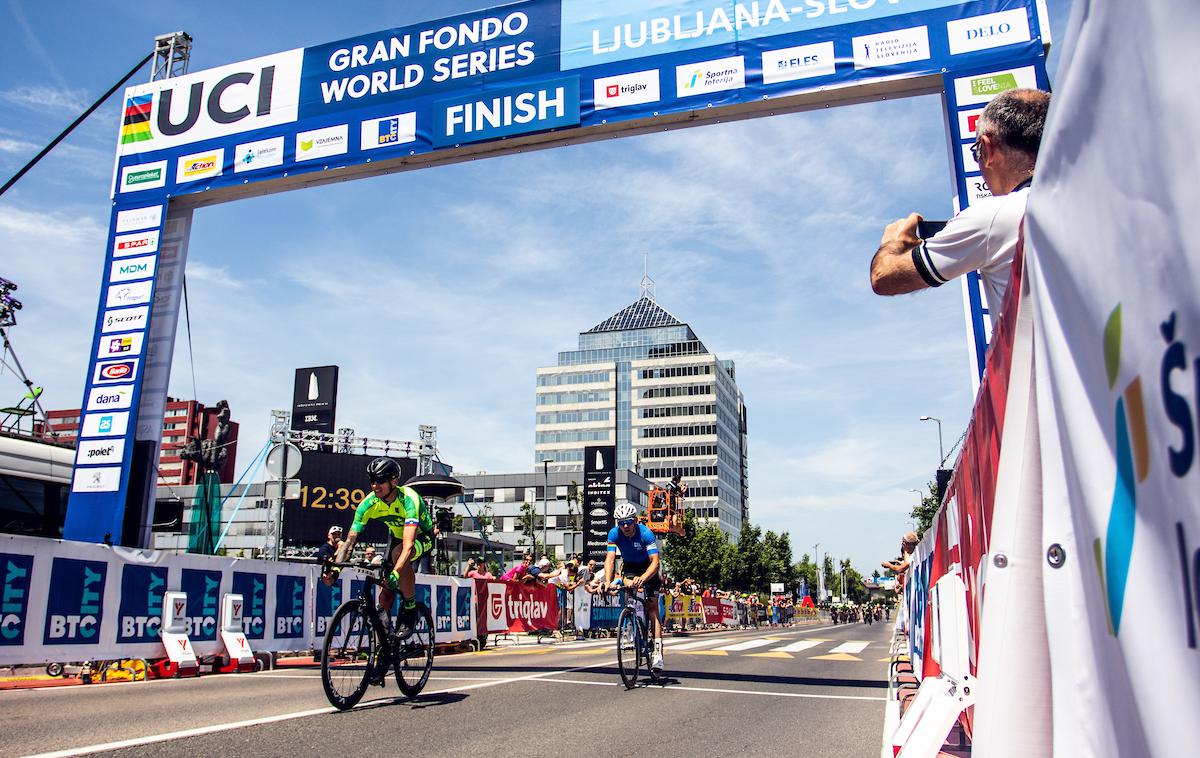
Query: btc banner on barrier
[515,607]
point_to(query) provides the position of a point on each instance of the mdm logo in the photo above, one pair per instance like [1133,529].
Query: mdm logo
[203,590]
[1133,465]
[289,607]
[140,610]
[75,607]
[253,589]
[15,572]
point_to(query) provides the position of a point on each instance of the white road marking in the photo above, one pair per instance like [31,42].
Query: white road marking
[750,644]
[852,647]
[731,692]
[701,643]
[796,647]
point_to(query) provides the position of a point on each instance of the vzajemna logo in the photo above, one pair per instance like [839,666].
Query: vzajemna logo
[1133,465]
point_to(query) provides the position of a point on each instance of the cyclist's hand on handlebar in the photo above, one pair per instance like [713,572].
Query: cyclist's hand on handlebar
[636,583]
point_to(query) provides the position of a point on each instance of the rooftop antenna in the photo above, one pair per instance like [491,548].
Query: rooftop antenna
[647,282]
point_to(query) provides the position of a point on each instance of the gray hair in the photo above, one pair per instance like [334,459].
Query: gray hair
[1016,118]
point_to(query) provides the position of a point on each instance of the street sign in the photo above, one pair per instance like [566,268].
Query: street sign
[283,461]
[272,490]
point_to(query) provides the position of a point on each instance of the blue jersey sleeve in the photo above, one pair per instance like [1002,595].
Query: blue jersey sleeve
[612,539]
[647,537]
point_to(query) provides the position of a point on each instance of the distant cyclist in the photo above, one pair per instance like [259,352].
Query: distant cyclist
[639,558]
[407,518]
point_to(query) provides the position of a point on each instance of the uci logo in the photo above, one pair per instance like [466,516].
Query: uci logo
[229,100]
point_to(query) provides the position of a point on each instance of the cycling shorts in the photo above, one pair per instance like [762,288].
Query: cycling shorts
[422,545]
[653,585]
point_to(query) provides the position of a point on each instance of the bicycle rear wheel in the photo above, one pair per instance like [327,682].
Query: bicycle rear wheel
[414,657]
[348,655]
[629,647]
[647,638]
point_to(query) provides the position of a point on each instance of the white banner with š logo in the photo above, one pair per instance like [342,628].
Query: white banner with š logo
[1114,265]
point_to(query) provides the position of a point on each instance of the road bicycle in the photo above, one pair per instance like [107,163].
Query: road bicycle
[635,640]
[360,646]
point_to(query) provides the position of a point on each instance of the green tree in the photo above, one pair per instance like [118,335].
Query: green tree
[777,553]
[924,513]
[702,553]
[574,507]
[527,525]
[806,570]
[749,570]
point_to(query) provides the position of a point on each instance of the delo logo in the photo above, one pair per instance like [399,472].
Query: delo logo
[75,608]
[462,608]
[15,571]
[253,589]
[140,609]
[220,101]
[289,607]
[988,31]
[203,589]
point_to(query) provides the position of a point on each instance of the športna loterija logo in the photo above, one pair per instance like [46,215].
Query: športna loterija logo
[1133,464]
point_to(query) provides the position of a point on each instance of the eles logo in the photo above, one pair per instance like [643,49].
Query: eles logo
[141,608]
[1133,464]
[75,608]
[15,571]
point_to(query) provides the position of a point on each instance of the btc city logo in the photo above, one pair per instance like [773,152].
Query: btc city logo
[1133,465]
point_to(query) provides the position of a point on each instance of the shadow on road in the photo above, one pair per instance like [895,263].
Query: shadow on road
[415,703]
[675,676]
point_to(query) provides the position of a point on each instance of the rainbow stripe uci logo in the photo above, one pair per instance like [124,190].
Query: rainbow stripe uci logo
[1133,465]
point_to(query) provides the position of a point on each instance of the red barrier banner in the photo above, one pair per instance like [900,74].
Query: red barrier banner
[514,607]
[712,611]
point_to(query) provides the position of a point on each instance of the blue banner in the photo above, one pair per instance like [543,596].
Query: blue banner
[203,589]
[15,571]
[75,606]
[253,589]
[289,607]
[534,107]
[140,611]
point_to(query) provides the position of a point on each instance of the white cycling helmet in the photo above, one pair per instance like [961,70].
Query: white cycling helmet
[624,511]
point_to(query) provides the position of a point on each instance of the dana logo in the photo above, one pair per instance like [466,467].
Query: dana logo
[15,571]
[217,102]
[140,611]
[627,89]
[1132,466]
[200,166]
[321,143]
[143,176]
[75,606]
[710,76]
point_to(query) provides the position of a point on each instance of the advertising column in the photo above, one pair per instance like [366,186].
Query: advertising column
[599,498]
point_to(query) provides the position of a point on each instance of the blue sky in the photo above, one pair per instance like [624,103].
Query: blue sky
[439,292]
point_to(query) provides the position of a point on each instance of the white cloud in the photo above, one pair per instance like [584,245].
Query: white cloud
[41,98]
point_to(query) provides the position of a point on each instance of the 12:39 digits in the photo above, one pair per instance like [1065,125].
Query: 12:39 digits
[319,498]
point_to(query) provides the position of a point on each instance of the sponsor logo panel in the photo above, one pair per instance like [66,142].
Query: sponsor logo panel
[140,612]
[990,30]
[979,89]
[289,607]
[115,371]
[107,479]
[203,592]
[129,269]
[968,122]
[135,244]
[977,189]
[139,218]
[627,89]
[92,452]
[704,77]
[125,319]
[255,155]
[105,424]
[386,132]
[803,62]
[198,166]
[120,345]
[217,102]
[253,589]
[970,166]
[322,143]
[75,605]
[143,176]
[15,574]
[128,294]
[110,398]
[891,48]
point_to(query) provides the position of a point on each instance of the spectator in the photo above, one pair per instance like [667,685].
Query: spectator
[520,571]
[325,553]
[907,545]
[984,236]
[370,558]
[477,568]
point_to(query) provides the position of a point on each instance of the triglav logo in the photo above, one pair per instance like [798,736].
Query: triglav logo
[1133,464]
[627,89]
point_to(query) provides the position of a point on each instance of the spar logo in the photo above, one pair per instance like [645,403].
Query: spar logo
[253,589]
[202,589]
[1133,464]
[75,607]
[289,606]
[15,571]
[140,611]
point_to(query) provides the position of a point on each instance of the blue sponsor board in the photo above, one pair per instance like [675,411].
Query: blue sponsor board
[289,607]
[140,610]
[533,107]
[253,589]
[15,572]
[325,603]
[442,620]
[75,607]
[606,609]
[203,589]
[463,614]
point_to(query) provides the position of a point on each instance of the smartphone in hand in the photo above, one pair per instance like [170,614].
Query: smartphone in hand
[926,228]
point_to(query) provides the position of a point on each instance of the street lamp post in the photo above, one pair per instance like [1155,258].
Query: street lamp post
[941,449]
[545,499]
[920,502]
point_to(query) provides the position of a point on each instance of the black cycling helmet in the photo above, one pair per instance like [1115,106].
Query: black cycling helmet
[383,470]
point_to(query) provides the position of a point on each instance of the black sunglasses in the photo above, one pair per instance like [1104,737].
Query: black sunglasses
[975,151]
[625,522]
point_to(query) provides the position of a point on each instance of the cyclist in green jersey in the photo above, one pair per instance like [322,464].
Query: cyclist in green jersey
[407,518]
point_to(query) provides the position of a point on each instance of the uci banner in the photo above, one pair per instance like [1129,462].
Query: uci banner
[1115,273]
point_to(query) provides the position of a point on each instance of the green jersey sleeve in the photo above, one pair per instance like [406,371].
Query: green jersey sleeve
[362,513]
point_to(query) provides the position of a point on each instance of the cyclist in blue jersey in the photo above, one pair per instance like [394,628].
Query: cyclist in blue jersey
[639,558]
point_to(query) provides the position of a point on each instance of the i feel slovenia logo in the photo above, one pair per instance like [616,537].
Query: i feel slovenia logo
[1133,464]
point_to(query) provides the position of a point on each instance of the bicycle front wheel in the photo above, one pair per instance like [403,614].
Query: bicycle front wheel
[414,659]
[629,647]
[348,655]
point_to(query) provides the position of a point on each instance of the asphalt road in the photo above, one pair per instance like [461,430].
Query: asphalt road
[804,691]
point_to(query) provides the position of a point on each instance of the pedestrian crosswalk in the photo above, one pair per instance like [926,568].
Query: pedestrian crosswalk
[779,646]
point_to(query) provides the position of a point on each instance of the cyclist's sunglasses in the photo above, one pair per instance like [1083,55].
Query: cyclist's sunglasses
[379,479]
[626,522]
